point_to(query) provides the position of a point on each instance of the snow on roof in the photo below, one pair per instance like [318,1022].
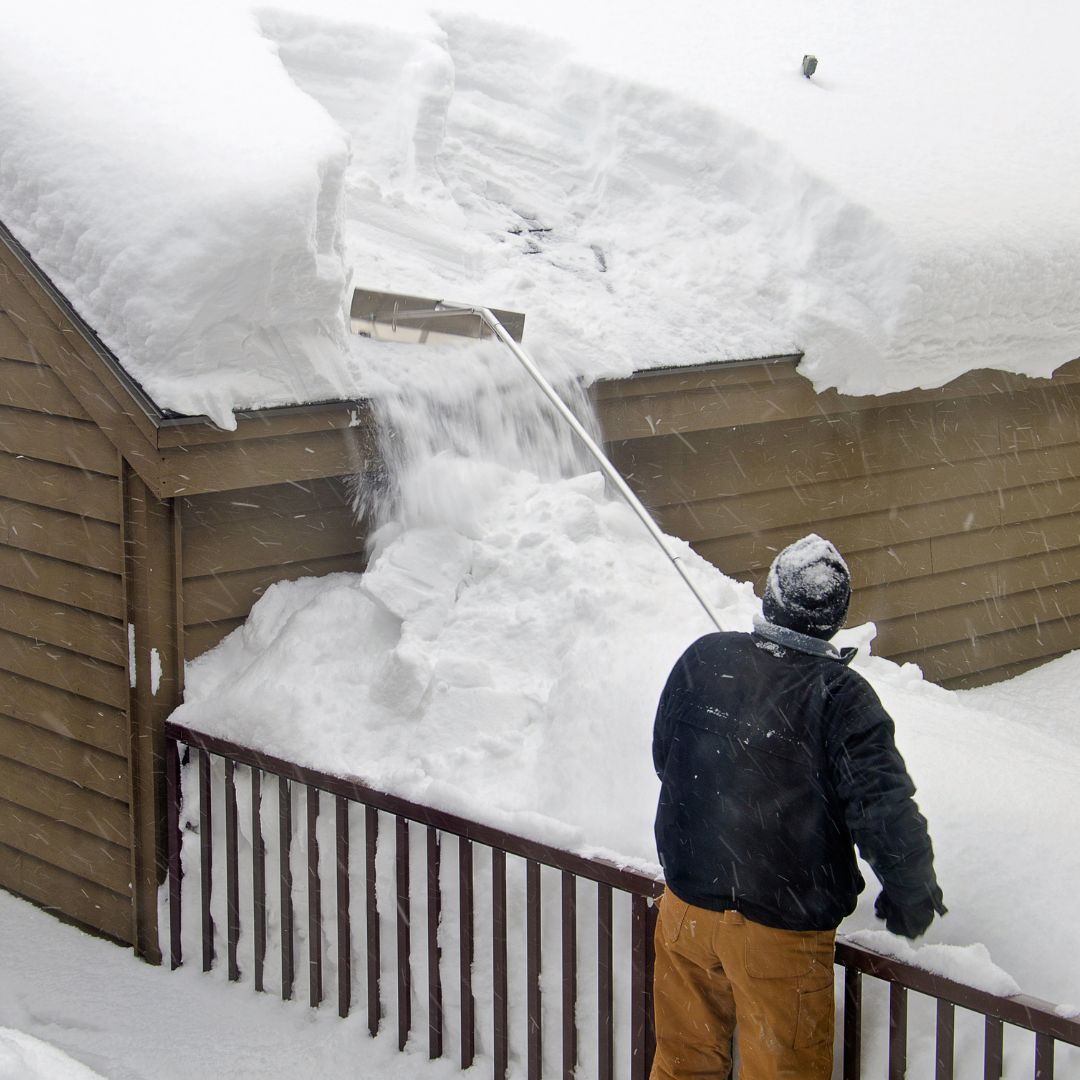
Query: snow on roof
[651,189]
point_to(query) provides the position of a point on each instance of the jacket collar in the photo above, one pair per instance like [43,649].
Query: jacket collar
[804,643]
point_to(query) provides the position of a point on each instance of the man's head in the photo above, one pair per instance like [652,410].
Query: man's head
[808,588]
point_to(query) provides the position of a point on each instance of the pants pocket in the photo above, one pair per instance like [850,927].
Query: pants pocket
[672,916]
[815,1021]
[771,953]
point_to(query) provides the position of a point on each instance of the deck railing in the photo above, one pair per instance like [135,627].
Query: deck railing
[620,1009]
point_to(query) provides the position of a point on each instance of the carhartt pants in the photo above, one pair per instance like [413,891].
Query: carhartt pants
[716,967]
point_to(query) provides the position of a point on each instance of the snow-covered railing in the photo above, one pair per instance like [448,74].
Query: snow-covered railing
[619,1007]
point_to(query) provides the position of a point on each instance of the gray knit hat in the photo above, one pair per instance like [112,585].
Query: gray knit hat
[808,588]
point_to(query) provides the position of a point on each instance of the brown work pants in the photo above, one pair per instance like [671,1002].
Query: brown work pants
[716,967]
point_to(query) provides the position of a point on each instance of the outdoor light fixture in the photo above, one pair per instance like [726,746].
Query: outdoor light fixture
[809,64]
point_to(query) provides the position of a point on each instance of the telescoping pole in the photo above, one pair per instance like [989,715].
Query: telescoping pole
[491,321]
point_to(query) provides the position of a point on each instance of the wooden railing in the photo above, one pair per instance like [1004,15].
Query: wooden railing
[620,1007]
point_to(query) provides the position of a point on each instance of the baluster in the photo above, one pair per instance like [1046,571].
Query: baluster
[852,1024]
[605,984]
[1044,1057]
[569,974]
[500,1002]
[173,799]
[534,1031]
[258,878]
[374,940]
[404,945]
[285,884]
[434,912]
[897,1032]
[344,923]
[639,986]
[993,1049]
[232,870]
[206,858]
[314,901]
[466,924]
[946,1028]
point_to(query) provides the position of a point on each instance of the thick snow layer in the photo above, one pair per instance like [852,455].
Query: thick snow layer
[651,190]
[161,166]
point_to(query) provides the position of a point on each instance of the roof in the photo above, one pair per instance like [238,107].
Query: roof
[651,198]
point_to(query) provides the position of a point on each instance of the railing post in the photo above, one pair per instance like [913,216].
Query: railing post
[993,1049]
[534,1031]
[946,1028]
[569,975]
[314,900]
[466,930]
[374,940]
[1044,1057]
[258,877]
[404,946]
[639,987]
[500,1002]
[232,870]
[852,1024]
[897,1032]
[434,914]
[285,886]
[344,922]
[174,840]
[206,858]
[605,1007]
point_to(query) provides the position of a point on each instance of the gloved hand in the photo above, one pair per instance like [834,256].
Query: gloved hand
[911,920]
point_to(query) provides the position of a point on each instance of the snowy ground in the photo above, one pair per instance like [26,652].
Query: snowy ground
[124,1020]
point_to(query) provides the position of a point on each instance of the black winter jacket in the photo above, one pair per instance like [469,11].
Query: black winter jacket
[772,762]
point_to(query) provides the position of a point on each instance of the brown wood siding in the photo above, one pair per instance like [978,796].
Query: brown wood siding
[236,544]
[65,818]
[958,508]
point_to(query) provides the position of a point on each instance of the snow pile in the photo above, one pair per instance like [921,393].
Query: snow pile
[673,196]
[970,965]
[23,1057]
[162,167]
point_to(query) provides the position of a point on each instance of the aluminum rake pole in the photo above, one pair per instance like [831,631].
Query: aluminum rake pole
[609,470]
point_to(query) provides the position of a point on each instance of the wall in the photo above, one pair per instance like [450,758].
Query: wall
[958,508]
[237,543]
[65,781]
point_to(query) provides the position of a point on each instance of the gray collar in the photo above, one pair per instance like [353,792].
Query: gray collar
[804,643]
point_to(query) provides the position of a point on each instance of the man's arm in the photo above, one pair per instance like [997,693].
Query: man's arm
[872,781]
[672,701]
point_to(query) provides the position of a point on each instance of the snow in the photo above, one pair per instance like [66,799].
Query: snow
[203,184]
[658,196]
[73,1007]
[22,1057]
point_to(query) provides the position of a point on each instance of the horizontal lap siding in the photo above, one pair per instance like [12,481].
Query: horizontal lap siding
[958,509]
[235,544]
[65,822]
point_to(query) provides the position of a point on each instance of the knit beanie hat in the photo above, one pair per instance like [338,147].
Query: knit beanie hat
[808,588]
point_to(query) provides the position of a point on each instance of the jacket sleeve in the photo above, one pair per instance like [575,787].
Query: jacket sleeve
[672,701]
[876,792]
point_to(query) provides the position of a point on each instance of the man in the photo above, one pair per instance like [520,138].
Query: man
[774,759]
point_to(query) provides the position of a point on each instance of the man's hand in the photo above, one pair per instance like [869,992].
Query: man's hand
[910,921]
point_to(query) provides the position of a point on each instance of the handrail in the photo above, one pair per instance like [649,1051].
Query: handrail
[595,869]
[1020,1010]
[487,316]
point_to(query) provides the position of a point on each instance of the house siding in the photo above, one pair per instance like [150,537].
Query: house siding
[958,508]
[65,835]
